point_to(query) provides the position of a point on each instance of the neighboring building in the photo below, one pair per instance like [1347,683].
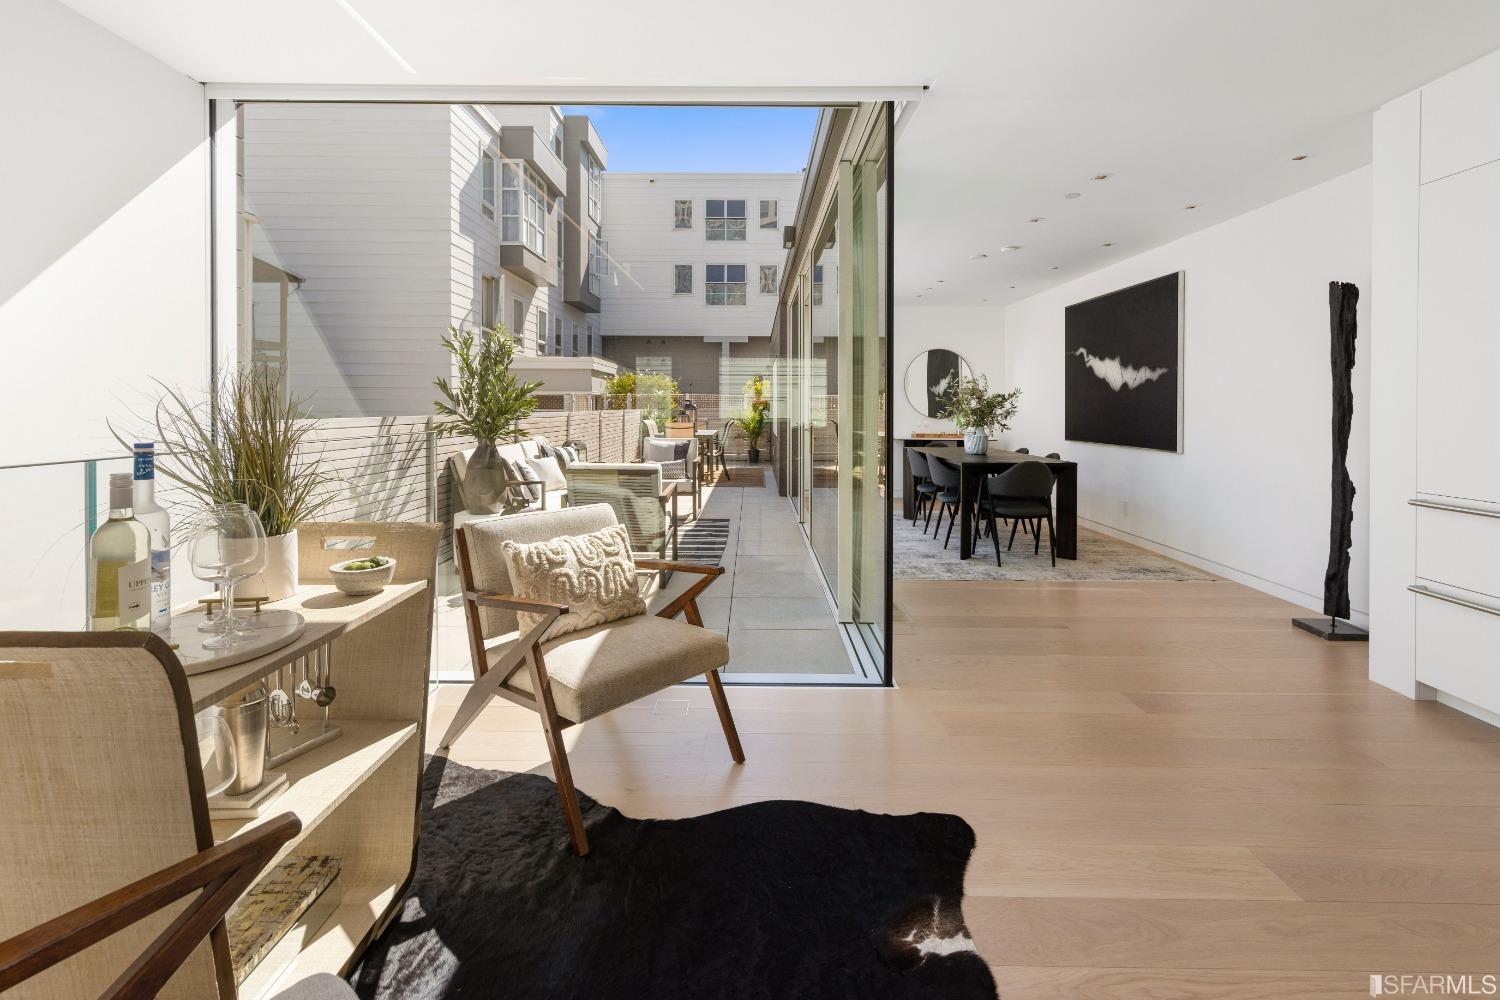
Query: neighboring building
[695,265]
[399,220]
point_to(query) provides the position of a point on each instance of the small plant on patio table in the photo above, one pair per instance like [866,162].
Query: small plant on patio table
[978,412]
[753,421]
[486,401]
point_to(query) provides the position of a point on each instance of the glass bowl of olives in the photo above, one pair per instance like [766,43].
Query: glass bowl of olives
[367,575]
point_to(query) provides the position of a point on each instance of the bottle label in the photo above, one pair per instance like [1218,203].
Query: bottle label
[161,588]
[145,465]
[135,592]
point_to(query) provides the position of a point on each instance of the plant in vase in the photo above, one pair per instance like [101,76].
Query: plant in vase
[246,444]
[753,421]
[484,400]
[979,412]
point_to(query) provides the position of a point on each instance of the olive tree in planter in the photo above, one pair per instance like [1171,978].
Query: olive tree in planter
[753,421]
[245,443]
[978,412]
[484,400]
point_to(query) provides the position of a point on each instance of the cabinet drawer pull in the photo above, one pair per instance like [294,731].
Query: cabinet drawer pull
[1454,508]
[1426,592]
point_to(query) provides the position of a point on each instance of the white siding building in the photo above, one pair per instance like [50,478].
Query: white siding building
[695,267]
[396,221]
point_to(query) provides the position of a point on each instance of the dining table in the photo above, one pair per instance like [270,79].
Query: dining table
[973,470]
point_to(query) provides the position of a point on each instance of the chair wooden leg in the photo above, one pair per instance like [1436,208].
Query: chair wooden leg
[552,730]
[731,735]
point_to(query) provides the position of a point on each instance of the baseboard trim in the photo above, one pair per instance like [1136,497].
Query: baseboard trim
[1466,707]
[1312,602]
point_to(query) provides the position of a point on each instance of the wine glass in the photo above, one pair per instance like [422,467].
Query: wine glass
[216,555]
[256,540]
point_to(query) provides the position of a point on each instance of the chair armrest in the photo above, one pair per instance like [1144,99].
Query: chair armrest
[686,567]
[509,602]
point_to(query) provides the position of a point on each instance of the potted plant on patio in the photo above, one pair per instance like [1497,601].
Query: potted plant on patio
[979,412]
[753,421]
[486,401]
[247,443]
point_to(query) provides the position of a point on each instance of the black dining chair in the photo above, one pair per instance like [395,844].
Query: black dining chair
[1053,454]
[945,478]
[926,488]
[1022,493]
[1023,451]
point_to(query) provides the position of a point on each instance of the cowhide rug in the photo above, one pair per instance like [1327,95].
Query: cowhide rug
[770,901]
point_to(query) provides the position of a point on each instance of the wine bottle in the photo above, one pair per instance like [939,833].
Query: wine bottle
[120,565]
[159,528]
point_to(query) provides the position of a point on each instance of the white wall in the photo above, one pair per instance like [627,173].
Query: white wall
[1436,209]
[977,333]
[103,274]
[1248,497]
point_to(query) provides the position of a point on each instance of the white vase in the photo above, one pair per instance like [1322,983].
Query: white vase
[279,578]
[976,440]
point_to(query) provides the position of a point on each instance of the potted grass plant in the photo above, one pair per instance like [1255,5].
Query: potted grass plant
[246,443]
[486,401]
[979,412]
[753,421]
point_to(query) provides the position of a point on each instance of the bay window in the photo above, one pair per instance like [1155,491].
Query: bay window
[523,208]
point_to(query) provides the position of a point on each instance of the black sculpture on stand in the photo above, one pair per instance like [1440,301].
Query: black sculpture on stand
[1343,299]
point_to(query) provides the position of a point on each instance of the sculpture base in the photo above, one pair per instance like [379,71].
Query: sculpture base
[1332,629]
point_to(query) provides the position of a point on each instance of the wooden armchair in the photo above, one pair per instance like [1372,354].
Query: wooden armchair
[581,675]
[218,874]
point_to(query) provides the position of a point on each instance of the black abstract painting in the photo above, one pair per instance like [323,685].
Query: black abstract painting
[1123,367]
[932,379]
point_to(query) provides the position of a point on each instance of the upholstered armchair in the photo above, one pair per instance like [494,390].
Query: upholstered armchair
[678,458]
[634,493]
[580,675]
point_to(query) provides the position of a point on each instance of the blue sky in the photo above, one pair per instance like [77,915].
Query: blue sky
[730,140]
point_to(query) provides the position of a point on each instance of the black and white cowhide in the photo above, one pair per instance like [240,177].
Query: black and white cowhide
[770,901]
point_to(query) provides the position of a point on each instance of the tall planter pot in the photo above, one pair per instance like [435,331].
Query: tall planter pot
[279,579]
[976,440]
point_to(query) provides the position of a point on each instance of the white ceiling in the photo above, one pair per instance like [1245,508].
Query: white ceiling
[1180,101]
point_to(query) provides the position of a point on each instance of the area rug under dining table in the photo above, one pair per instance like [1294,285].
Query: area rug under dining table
[767,900]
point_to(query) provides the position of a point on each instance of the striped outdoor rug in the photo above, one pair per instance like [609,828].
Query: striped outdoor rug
[703,540]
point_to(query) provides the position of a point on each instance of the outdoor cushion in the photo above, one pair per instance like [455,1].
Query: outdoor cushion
[604,667]
[547,469]
[593,574]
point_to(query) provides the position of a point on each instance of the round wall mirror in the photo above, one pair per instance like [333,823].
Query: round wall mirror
[932,378]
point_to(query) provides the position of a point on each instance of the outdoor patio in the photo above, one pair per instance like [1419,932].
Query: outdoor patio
[770,602]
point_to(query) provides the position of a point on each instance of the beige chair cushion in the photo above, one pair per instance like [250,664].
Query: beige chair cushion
[601,668]
[491,574]
[593,574]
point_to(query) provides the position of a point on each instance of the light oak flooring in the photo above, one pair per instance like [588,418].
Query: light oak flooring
[1176,794]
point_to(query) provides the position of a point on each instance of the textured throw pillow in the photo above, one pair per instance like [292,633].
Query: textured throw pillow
[670,454]
[549,472]
[519,470]
[593,574]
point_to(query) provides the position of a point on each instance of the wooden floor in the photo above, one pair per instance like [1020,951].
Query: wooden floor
[1176,794]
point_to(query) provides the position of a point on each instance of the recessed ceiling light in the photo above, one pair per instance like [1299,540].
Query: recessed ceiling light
[979,256]
[1190,206]
[1012,286]
[1101,177]
[1037,218]
[1106,244]
[1056,266]
[1300,156]
[1009,249]
[940,281]
[1073,194]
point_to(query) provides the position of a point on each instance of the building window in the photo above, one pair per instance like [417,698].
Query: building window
[487,184]
[595,173]
[518,321]
[818,285]
[523,208]
[598,262]
[562,216]
[489,302]
[575,340]
[768,279]
[724,220]
[682,279]
[557,347]
[724,284]
[768,215]
[682,215]
[541,331]
[592,341]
